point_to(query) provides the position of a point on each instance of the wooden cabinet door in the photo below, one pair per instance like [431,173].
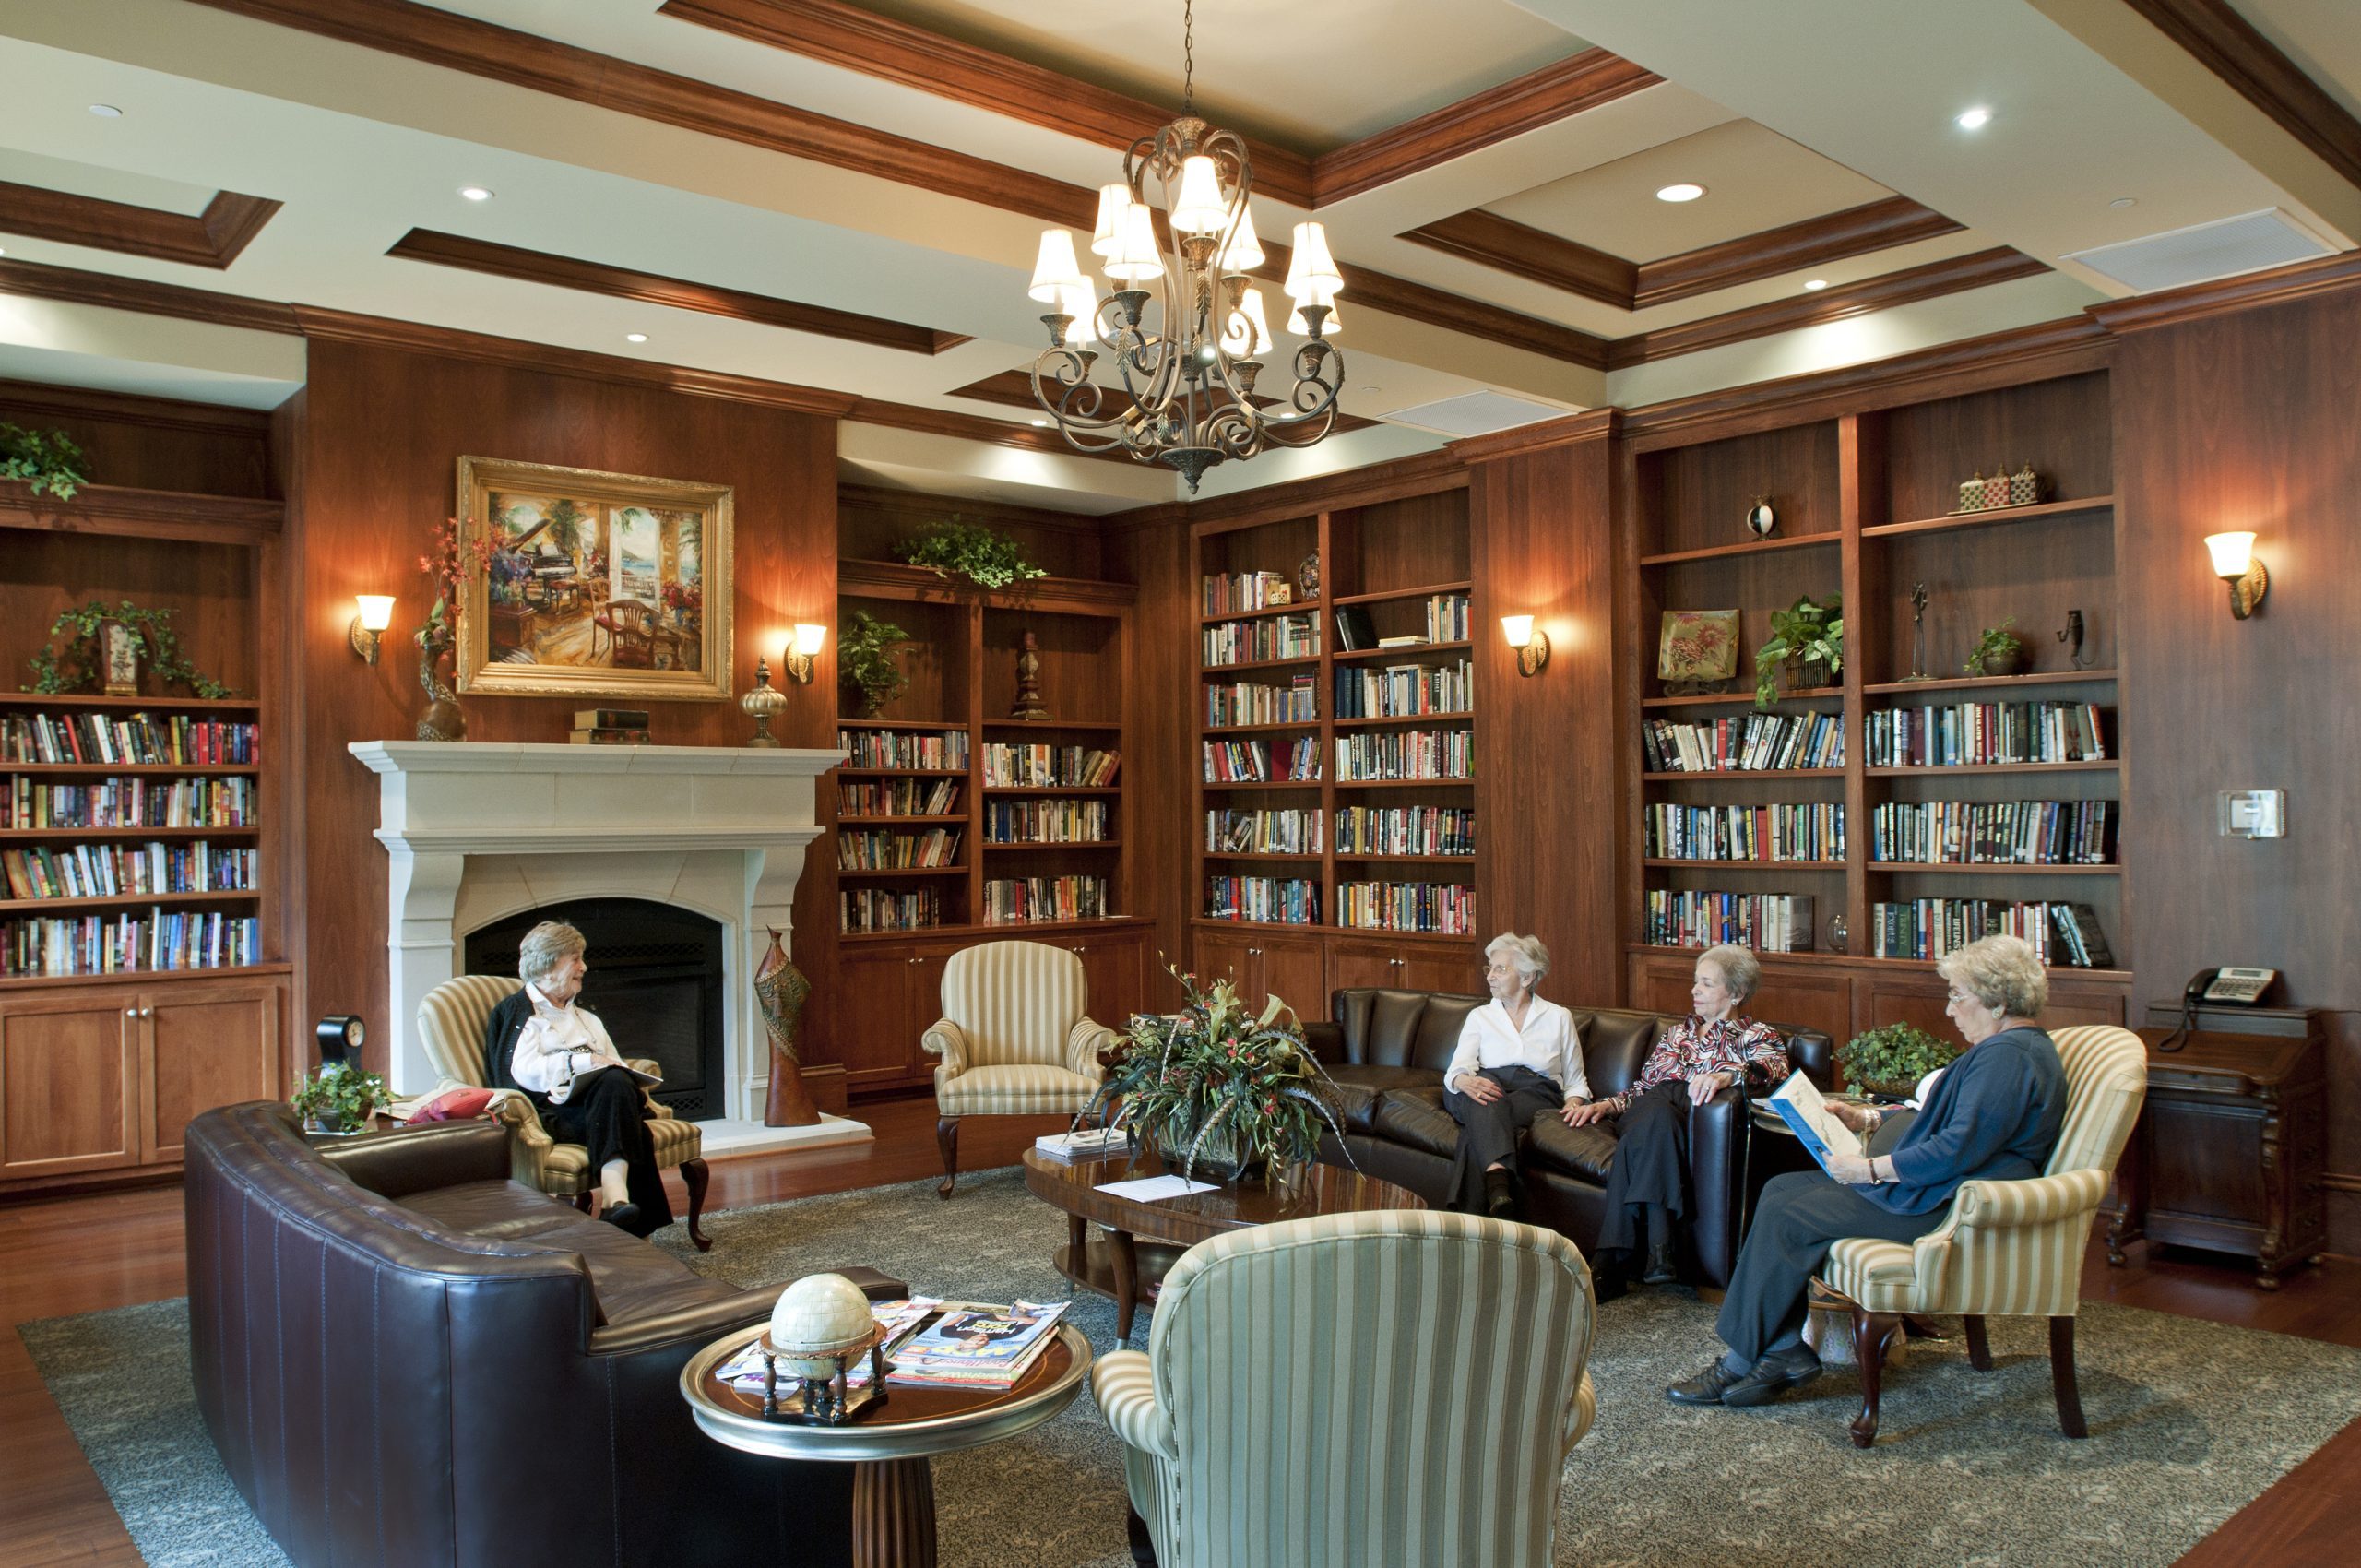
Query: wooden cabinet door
[204,1043]
[1294,968]
[924,981]
[1453,971]
[1227,953]
[1353,965]
[69,1083]
[1114,967]
[876,1040]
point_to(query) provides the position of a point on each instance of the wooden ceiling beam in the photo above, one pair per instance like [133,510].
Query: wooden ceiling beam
[1522,251]
[1814,241]
[2225,43]
[211,239]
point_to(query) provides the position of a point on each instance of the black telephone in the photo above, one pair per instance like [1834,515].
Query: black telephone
[2242,988]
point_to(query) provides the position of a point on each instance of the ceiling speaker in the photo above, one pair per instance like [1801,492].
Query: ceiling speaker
[2221,249]
[1475,413]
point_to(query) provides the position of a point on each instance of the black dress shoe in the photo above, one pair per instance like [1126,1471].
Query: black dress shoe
[1771,1378]
[624,1217]
[1500,1194]
[1661,1269]
[1706,1388]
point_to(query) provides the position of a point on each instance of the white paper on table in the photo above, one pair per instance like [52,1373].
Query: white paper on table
[1799,1102]
[1148,1188]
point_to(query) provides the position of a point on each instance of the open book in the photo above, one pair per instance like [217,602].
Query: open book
[1799,1104]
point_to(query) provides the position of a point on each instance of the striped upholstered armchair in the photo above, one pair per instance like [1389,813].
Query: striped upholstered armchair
[1015,1040]
[451,1023]
[1360,1359]
[2007,1248]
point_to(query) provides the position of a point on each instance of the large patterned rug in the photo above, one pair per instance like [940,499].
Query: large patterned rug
[2190,1421]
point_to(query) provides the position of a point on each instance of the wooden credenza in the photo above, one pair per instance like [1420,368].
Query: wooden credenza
[2230,1152]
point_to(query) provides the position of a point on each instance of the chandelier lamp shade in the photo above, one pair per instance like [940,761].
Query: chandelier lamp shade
[1163,367]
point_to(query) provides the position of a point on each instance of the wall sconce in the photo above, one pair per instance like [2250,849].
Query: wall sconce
[806,647]
[377,614]
[1532,647]
[2235,564]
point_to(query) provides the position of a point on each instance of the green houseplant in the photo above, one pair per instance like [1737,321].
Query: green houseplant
[1218,1087]
[78,665]
[1998,651]
[955,548]
[44,460]
[1892,1058]
[865,659]
[340,1100]
[1803,634]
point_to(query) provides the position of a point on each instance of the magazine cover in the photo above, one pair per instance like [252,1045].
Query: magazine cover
[969,1335]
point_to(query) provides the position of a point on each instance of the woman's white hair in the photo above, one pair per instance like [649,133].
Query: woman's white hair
[2002,973]
[546,946]
[1531,960]
[1741,970]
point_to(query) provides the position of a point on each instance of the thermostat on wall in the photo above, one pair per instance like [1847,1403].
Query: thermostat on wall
[2254,813]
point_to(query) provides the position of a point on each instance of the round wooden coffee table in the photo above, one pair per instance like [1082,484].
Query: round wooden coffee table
[1143,1240]
[888,1442]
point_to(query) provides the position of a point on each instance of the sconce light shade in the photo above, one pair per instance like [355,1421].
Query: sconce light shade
[1532,645]
[2235,564]
[808,640]
[375,614]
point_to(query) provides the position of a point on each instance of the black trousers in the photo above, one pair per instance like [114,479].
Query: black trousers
[1651,1165]
[608,1115]
[1799,1215]
[1487,1133]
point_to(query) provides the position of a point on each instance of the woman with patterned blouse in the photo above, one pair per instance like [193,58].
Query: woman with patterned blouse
[1694,1060]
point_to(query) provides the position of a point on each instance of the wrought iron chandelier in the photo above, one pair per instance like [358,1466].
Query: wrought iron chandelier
[1188,368]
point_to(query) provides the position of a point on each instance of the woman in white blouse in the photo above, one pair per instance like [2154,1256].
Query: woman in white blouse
[557,1055]
[1518,1058]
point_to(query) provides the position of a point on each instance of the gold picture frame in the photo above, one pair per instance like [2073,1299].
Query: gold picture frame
[597,585]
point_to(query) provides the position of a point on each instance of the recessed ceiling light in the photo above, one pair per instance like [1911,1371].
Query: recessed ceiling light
[106,110]
[1682,191]
[634,336]
[2125,201]
[475,193]
[1040,425]
[1816,285]
[1976,119]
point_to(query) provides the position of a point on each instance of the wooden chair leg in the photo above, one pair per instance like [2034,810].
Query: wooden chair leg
[1872,1337]
[1979,1349]
[2061,1378]
[946,1138]
[582,1202]
[697,1174]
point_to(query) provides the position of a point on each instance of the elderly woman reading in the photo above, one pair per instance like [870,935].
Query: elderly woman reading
[1518,1058]
[543,1046]
[1994,1115]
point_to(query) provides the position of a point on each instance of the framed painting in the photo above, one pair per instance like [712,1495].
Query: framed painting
[594,584]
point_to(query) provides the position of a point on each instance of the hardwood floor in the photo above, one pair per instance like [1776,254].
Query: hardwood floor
[80,1254]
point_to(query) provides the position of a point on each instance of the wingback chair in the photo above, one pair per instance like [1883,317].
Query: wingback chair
[1406,1384]
[451,1023]
[2011,1248]
[1014,1039]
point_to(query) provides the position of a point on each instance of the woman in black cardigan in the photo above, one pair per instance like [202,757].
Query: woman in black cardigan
[1994,1115]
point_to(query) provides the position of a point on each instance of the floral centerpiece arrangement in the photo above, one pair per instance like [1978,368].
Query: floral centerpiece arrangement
[455,557]
[1218,1088]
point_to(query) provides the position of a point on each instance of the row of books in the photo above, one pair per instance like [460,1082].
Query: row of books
[1249,642]
[128,943]
[1298,701]
[885,909]
[1398,691]
[1048,822]
[1281,900]
[2065,935]
[136,740]
[1406,753]
[899,748]
[1405,830]
[1244,590]
[1743,742]
[899,797]
[1289,832]
[1970,734]
[875,850]
[1768,922]
[1009,899]
[1448,618]
[1008,765]
[2023,833]
[1798,830]
[110,871]
[1259,762]
[1446,907]
[127,802]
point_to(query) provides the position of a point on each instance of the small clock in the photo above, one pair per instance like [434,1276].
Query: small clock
[340,1037]
[1760,520]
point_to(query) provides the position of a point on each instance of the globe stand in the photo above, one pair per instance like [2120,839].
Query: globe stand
[828,1400]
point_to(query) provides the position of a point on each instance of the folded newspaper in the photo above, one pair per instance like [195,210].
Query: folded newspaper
[1799,1104]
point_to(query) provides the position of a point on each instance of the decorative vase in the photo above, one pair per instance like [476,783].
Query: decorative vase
[1307,575]
[780,991]
[2011,662]
[1029,702]
[442,719]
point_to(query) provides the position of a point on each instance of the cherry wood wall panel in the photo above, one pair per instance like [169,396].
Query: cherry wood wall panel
[149,443]
[871,522]
[1161,731]
[380,435]
[2247,422]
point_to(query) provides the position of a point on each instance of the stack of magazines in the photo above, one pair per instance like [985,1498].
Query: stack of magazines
[745,1371]
[967,1345]
[1086,1142]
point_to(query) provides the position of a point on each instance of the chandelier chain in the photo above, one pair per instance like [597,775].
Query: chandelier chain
[1188,56]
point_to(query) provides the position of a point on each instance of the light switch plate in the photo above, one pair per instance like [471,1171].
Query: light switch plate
[2254,813]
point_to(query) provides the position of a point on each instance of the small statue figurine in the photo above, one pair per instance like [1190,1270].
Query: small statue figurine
[1028,680]
[1918,632]
[2071,635]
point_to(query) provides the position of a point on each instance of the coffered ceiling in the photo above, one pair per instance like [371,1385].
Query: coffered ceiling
[844,199]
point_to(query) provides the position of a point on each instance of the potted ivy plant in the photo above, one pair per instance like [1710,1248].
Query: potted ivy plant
[1998,651]
[78,664]
[957,548]
[1892,1058]
[341,1099]
[1802,635]
[45,460]
[865,659]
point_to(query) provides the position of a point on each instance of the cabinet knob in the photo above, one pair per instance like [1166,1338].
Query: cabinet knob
[1078,947]
[131,1012]
[147,1012]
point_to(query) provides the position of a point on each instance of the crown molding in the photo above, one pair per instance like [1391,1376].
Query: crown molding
[676,293]
[1595,425]
[2252,291]
[1537,257]
[43,400]
[2225,43]
[975,427]
[66,285]
[211,239]
[877,498]
[121,511]
[1421,473]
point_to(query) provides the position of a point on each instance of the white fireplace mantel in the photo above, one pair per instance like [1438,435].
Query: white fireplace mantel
[475,832]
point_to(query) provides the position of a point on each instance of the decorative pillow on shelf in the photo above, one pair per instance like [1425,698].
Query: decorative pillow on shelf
[452,1105]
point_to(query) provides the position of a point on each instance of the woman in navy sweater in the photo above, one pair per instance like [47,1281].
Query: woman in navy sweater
[1993,1115]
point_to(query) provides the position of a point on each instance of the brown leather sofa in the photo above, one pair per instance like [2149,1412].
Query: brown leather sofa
[1387,1050]
[405,1357]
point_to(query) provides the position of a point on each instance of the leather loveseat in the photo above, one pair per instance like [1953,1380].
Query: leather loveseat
[405,1357]
[1387,1050]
